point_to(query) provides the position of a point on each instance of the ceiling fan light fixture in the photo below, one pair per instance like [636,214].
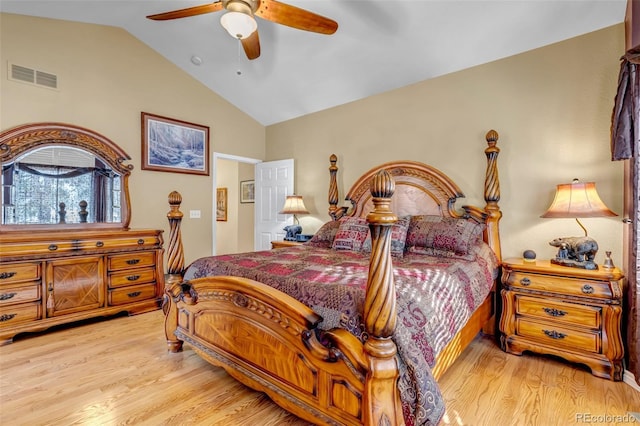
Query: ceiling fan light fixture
[239,21]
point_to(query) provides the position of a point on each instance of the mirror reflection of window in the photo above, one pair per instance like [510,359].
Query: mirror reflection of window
[35,185]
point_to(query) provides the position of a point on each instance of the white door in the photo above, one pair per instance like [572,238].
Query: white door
[274,181]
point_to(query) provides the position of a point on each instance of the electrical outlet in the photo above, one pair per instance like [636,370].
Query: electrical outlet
[194,214]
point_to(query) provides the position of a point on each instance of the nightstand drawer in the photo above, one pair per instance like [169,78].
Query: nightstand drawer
[557,284]
[568,313]
[553,335]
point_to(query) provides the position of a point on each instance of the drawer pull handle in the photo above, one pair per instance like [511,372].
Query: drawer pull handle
[525,281]
[133,277]
[134,294]
[7,296]
[53,247]
[133,261]
[554,312]
[99,244]
[140,242]
[7,317]
[554,334]
[5,275]
[587,289]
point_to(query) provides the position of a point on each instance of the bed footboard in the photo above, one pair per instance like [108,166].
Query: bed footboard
[267,340]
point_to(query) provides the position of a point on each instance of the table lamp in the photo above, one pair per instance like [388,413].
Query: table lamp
[576,200]
[295,206]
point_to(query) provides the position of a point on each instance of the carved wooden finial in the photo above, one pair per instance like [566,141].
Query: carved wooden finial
[492,137]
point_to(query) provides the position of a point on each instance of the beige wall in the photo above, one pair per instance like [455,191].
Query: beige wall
[106,78]
[552,107]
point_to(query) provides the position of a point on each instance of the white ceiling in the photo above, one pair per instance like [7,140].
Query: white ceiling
[379,45]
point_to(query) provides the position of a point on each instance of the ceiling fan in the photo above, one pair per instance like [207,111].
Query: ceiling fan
[239,22]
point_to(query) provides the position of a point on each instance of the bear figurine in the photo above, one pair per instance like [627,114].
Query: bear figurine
[576,251]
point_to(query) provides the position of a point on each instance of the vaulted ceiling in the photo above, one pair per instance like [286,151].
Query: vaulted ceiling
[379,45]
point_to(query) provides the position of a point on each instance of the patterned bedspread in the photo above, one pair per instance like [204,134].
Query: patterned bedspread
[435,298]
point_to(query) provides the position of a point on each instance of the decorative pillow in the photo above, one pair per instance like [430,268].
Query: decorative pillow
[443,236]
[351,234]
[398,237]
[325,235]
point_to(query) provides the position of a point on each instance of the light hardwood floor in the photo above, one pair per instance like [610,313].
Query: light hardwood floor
[118,372]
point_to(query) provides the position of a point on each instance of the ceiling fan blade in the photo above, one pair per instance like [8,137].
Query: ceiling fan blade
[295,17]
[251,45]
[189,11]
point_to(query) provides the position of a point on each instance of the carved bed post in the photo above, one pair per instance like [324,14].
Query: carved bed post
[175,268]
[175,255]
[382,400]
[333,186]
[492,193]
[334,211]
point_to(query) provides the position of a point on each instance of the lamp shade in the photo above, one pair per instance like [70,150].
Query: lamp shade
[294,205]
[239,24]
[577,199]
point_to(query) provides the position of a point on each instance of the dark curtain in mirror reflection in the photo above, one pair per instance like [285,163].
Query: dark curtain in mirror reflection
[33,194]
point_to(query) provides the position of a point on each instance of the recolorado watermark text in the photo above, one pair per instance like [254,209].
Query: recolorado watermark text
[607,418]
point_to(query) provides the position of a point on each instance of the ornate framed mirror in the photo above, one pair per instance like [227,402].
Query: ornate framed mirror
[58,176]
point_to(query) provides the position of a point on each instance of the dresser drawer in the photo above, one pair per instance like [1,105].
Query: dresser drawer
[13,314]
[12,295]
[556,284]
[552,334]
[11,273]
[132,277]
[568,313]
[131,294]
[132,260]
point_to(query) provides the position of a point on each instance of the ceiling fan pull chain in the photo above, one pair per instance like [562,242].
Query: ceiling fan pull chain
[238,71]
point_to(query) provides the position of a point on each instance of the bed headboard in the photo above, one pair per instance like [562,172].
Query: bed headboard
[423,189]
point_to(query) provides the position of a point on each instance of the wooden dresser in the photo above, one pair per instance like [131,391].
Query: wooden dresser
[568,312]
[53,278]
[66,250]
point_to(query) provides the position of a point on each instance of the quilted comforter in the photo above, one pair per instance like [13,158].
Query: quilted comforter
[435,298]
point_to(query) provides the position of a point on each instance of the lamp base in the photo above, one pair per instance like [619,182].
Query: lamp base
[587,264]
[576,252]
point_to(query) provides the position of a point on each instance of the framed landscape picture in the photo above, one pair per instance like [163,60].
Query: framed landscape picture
[221,204]
[247,191]
[170,145]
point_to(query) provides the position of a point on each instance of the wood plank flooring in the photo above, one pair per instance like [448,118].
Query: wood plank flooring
[118,372]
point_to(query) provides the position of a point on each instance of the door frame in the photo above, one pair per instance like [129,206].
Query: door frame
[216,156]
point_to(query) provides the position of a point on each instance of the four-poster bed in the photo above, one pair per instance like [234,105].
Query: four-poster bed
[350,366]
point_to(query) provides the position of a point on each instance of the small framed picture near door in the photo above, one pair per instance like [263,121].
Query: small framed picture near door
[247,191]
[221,204]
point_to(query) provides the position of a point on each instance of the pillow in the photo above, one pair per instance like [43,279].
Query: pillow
[351,234]
[325,235]
[443,236]
[398,237]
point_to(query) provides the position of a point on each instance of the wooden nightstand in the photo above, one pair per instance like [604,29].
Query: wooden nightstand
[568,312]
[282,243]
